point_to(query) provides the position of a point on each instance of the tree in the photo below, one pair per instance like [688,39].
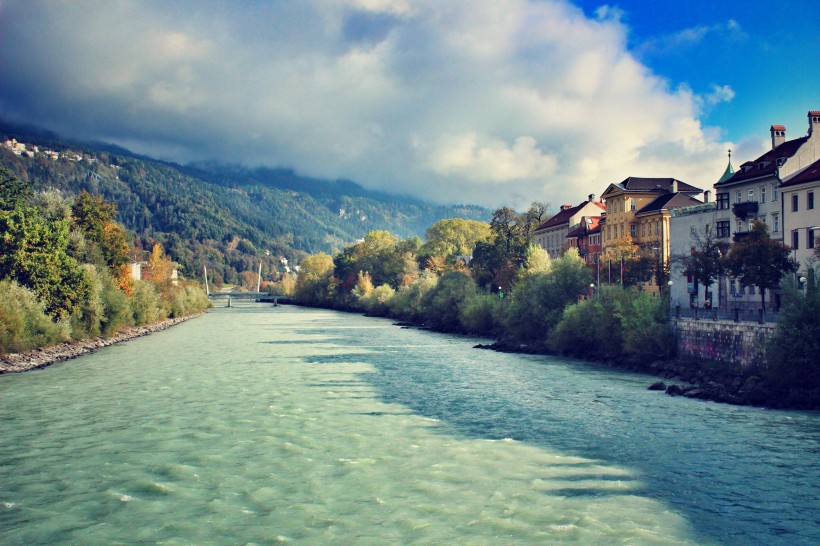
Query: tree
[95,218]
[621,257]
[758,260]
[13,191]
[33,253]
[706,261]
[454,237]
[314,281]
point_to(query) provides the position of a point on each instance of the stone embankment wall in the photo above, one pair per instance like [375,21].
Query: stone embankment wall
[721,341]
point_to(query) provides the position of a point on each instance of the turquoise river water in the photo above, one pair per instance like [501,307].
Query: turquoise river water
[263,425]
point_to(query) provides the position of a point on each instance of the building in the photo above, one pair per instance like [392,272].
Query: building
[684,222]
[586,237]
[801,214]
[551,235]
[638,209]
[754,191]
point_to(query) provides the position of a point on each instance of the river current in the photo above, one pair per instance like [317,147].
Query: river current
[261,425]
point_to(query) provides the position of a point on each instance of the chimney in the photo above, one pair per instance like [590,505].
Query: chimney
[566,207]
[706,195]
[814,120]
[674,186]
[591,197]
[779,133]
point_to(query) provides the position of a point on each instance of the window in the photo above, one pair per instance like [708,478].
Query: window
[810,200]
[775,222]
[763,218]
[622,230]
[737,196]
[722,201]
[643,230]
[723,228]
[739,227]
[794,202]
[809,238]
[751,225]
[775,192]
[631,204]
[795,240]
[751,195]
[762,194]
[751,290]
[633,230]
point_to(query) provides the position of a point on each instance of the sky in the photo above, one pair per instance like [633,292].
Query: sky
[488,102]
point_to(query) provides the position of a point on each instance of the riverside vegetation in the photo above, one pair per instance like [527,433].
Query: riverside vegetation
[64,274]
[513,292]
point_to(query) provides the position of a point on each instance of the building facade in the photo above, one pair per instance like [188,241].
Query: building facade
[551,235]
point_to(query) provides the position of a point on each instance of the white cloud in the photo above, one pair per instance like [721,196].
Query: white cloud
[441,100]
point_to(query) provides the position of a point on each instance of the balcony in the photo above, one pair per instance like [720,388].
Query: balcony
[744,210]
[740,235]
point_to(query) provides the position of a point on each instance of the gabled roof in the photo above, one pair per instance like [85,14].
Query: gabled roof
[639,184]
[588,225]
[766,164]
[669,201]
[564,216]
[809,174]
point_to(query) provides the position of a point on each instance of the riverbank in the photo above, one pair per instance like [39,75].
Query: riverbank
[701,379]
[46,356]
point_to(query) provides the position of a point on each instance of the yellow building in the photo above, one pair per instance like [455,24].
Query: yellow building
[638,209]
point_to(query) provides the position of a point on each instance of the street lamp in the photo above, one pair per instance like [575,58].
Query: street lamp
[803,284]
[591,289]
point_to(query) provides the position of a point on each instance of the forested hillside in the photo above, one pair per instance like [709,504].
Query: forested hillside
[228,218]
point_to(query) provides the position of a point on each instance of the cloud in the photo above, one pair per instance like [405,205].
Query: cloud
[439,100]
[682,41]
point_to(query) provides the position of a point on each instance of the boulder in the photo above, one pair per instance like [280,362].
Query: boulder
[657,386]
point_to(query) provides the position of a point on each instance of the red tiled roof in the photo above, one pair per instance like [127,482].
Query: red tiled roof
[564,216]
[777,128]
[814,112]
[809,174]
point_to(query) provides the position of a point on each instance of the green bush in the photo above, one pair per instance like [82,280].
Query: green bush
[146,303]
[188,300]
[792,352]
[24,325]
[87,319]
[118,313]
[442,305]
[408,302]
[480,315]
[377,302]
[646,332]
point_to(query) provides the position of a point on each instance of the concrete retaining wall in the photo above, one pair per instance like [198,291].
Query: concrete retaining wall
[723,342]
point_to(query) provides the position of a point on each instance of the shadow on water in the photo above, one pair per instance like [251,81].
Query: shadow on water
[705,460]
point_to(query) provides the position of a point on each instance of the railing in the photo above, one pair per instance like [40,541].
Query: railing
[733,314]
[747,208]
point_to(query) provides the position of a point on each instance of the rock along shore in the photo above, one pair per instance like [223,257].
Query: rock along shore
[46,356]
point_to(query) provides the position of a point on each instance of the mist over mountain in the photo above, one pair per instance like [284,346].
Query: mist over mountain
[226,217]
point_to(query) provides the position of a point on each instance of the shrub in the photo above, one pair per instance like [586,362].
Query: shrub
[87,319]
[480,315]
[442,305]
[645,329]
[408,302]
[378,300]
[792,350]
[24,324]
[146,303]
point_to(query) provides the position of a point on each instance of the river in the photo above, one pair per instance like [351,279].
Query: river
[261,425]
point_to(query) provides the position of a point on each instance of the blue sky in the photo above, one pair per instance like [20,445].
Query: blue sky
[470,101]
[764,52]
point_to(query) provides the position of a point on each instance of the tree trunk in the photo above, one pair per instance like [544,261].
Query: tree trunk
[763,299]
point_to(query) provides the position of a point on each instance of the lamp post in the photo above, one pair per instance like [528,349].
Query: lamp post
[591,290]
[669,300]
[803,284]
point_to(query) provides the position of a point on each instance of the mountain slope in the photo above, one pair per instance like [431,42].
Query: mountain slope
[226,217]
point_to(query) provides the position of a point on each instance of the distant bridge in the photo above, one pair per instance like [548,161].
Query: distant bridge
[254,296]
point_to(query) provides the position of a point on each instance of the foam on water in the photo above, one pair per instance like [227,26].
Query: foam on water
[254,425]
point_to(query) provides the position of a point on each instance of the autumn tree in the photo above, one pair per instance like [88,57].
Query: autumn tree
[758,260]
[315,281]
